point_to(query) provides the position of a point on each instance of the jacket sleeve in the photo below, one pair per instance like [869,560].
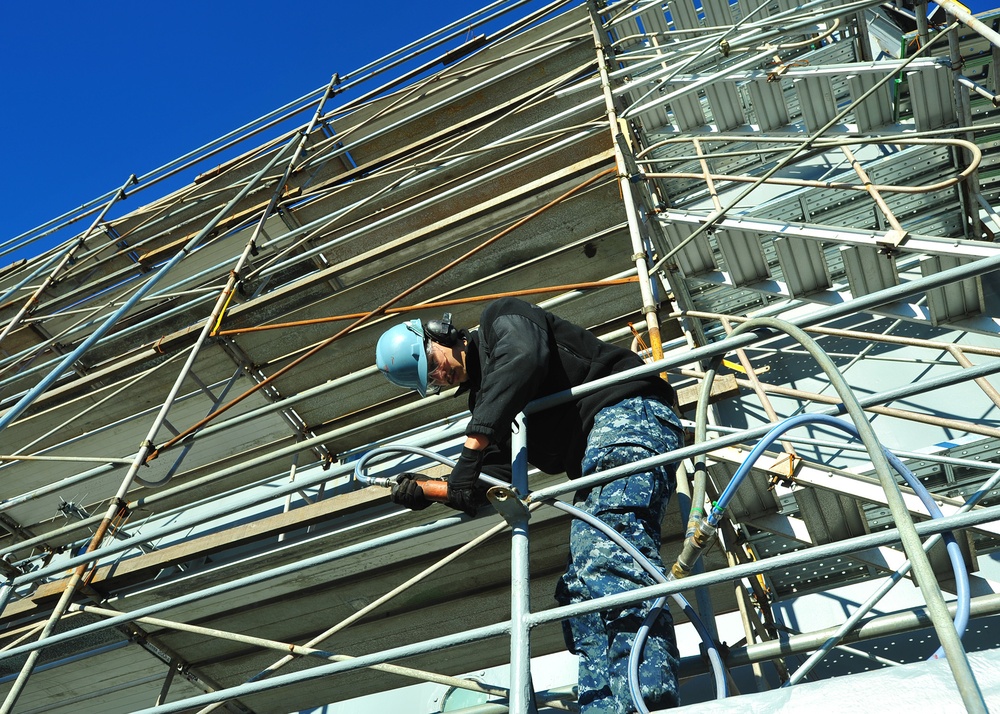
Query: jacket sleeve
[517,362]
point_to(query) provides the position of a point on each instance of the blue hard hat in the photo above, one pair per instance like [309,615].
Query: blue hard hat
[401,355]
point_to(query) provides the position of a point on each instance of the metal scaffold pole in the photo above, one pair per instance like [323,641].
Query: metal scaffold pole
[624,157]
[522,699]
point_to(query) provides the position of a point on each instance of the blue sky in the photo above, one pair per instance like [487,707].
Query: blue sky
[93,92]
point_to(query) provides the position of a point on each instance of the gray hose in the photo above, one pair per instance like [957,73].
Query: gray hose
[715,658]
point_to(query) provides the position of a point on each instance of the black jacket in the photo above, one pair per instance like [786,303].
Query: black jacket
[520,353]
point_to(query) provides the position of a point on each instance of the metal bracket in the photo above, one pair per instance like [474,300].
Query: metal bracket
[508,504]
[776,478]
[632,170]
[893,239]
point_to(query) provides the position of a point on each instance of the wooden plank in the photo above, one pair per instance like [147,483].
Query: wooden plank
[144,567]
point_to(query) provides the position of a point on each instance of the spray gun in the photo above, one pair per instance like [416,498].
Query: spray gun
[434,489]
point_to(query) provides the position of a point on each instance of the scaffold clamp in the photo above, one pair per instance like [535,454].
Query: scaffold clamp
[508,504]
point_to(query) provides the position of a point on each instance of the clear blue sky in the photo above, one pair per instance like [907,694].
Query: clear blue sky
[95,91]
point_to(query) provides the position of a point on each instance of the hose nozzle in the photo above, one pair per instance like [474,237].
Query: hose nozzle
[434,489]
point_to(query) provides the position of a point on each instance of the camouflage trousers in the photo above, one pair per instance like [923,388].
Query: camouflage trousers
[634,506]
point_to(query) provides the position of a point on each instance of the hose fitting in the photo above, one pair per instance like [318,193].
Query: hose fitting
[698,537]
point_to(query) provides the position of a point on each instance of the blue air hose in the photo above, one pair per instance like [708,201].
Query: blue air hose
[954,552]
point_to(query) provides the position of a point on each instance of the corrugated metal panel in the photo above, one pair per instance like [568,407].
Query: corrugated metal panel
[955,301]
[803,266]
[932,98]
[741,252]
[868,270]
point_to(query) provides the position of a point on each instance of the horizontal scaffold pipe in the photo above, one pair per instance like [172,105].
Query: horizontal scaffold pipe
[13,412]
[976,156]
[969,427]
[755,37]
[436,304]
[399,57]
[425,203]
[805,321]
[805,145]
[824,315]
[960,375]
[281,114]
[186,522]
[249,416]
[237,136]
[245,581]
[378,311]
[556,614]
[427,111]
[962,14]
[879,626]
[297,650]
[333,384]
[841,446]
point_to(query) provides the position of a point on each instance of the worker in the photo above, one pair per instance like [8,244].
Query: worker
[519,353]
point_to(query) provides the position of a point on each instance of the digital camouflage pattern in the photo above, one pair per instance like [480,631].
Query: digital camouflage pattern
[629,431]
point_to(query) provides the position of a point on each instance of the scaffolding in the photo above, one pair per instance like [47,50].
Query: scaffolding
[795,213]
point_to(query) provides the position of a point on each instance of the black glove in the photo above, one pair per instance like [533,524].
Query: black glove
[407,492]
[463,494]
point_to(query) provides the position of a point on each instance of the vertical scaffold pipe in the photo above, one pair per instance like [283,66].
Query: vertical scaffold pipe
[625,184]
[522,696]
